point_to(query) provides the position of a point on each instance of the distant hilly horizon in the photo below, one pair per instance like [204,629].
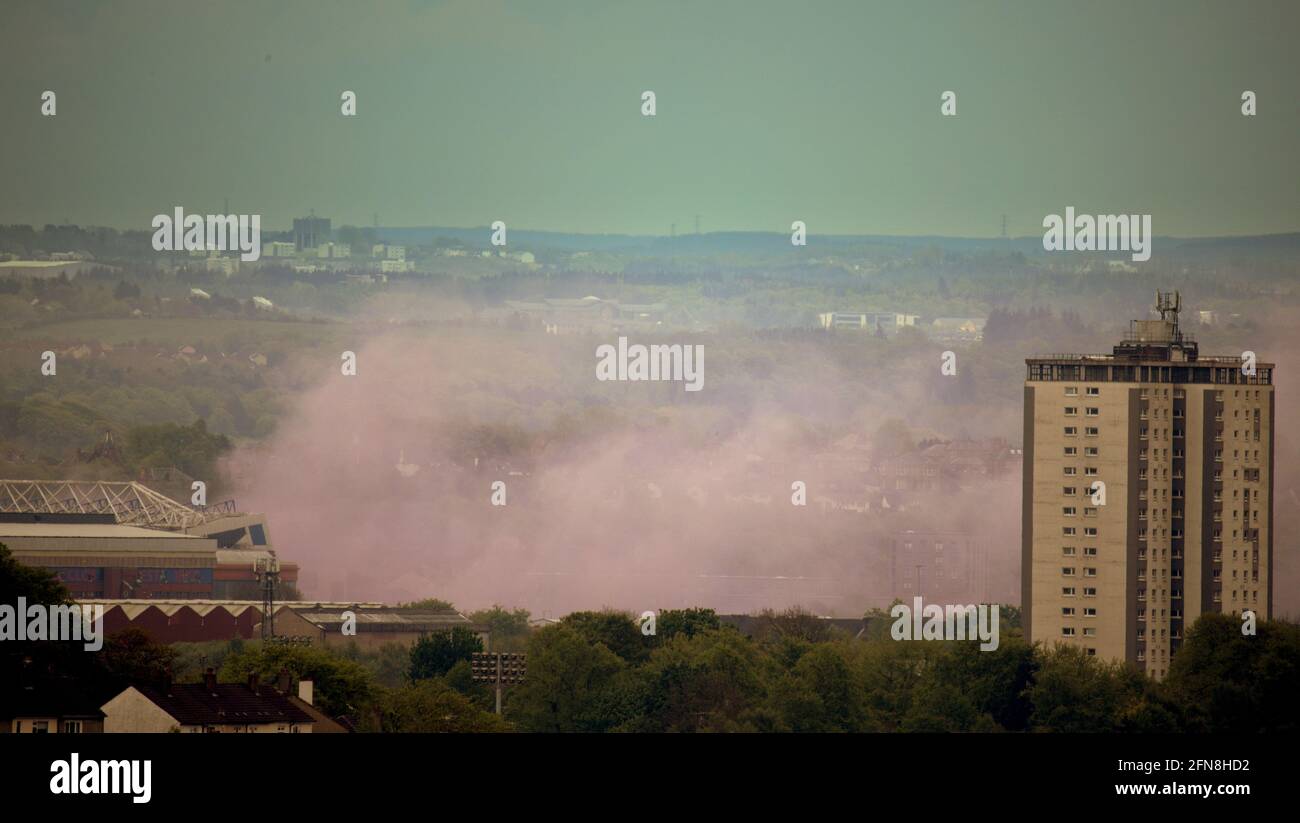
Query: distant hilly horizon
[777,243]
[756,241]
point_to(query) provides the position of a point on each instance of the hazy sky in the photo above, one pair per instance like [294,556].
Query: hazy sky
[528,111]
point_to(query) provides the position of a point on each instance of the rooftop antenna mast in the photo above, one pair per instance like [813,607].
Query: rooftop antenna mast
[1169,304]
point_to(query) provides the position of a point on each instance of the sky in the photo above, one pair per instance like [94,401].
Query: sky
[529,112]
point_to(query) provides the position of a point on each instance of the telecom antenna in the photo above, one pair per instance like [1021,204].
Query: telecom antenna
[268,574]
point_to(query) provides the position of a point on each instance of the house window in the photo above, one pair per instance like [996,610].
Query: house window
[72,727]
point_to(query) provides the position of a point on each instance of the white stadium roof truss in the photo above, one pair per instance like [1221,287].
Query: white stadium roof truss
[130,503]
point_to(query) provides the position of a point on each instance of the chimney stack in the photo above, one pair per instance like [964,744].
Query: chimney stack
[305,691]
[283,681]
[254,680]
[210,679]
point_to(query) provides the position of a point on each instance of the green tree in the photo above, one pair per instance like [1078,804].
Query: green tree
[433,706]
[1075,692]
[686,622]
[433,655]
[189,448]
[821,693]
[794,623]
[341,686]
[132,656]
[432,604]
[1228,681]
[714,681]
[892,672]
[506,628]
[37,585]
[615,630]
[569,681]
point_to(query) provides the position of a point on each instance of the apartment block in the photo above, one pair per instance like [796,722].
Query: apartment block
[1148,493]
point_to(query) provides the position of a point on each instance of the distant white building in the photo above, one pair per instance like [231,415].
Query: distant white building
[200,294]
[1208,317]
[390,266]
[868,321]
[263,303]
[333,250]
[278,248]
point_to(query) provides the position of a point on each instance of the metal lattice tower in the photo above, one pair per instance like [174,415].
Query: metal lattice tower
[268,574]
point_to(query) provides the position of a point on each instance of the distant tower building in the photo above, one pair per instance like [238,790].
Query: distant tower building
[1183,444]
[310,232]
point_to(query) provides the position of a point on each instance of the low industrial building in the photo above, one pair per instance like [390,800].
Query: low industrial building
[375,625]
